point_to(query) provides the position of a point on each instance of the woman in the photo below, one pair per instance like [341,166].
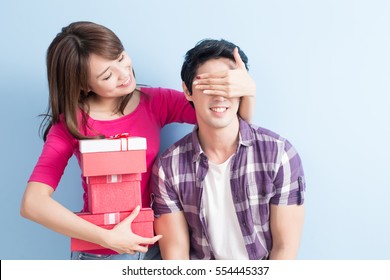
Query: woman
[93,94]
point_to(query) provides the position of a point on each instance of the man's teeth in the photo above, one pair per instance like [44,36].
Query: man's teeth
[219,109]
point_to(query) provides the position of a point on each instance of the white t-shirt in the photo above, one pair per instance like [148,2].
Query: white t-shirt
[222,223]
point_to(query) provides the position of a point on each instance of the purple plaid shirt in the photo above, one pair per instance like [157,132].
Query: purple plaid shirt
[265,170]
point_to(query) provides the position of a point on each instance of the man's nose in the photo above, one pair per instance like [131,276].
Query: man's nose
[219,98]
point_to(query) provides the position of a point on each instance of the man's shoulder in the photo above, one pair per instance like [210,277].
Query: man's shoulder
[267,139]
[259,133]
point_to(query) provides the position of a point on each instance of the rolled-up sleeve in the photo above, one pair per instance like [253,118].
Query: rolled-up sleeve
[163,195]
[289,180]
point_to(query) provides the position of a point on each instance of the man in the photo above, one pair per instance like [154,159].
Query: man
[228,190]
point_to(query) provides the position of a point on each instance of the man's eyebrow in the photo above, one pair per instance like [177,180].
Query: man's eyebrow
[101,74]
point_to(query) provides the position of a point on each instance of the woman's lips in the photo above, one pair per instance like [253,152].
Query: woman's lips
[126,83]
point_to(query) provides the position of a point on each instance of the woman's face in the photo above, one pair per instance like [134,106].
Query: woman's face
[111,78]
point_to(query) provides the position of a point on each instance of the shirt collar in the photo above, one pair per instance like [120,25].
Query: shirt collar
[246,138]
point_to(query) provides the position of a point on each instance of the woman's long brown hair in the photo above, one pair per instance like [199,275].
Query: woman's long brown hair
[68,73]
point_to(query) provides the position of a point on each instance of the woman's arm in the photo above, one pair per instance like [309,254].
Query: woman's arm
[232,83]
[38,205]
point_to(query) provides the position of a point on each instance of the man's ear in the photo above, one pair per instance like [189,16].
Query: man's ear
[186,92]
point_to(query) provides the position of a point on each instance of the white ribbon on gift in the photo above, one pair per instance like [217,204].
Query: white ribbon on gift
[111,218]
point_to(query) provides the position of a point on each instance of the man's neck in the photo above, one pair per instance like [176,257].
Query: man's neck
[219,144]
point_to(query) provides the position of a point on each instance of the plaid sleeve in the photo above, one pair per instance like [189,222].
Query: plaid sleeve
[289,181]
[164,197]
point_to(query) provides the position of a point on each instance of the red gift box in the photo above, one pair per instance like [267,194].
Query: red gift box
[117,178]
[97,164]
[113,156]
[142,225]
[114,197]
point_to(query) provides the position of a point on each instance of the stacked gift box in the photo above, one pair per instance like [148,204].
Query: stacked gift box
[112,168]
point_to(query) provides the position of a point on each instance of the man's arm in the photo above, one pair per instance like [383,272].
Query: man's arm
[286,223]
[175,244]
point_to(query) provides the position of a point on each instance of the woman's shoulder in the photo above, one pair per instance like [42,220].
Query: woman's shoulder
[59,136]
[158,91]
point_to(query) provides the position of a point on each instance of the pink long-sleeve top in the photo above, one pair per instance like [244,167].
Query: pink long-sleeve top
[157,107]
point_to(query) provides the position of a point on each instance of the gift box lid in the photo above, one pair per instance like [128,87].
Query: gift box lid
[113,178]
[122,143]
[145,215]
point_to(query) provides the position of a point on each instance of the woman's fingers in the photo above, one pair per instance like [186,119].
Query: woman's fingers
[237,58]
[132,216]
[141,244]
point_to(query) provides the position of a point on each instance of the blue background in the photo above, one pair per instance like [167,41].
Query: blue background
[322,70]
